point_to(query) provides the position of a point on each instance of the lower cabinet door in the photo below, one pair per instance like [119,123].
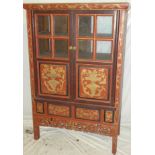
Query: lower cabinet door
[54,79]
[93,83]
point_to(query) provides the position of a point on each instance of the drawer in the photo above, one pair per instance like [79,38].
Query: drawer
[88,114]
[59,110]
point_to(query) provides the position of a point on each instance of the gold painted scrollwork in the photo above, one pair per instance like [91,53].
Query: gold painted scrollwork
[93,82]
[53,79]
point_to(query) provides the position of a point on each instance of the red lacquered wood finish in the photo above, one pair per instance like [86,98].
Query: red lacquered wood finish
[67,91]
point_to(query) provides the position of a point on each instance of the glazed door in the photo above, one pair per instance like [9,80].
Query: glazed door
[53,59]
[94,47]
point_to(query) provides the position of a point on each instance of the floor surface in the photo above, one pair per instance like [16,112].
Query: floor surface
[55,141]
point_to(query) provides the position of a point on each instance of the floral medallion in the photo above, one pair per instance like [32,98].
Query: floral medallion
[93,82]
[53,79]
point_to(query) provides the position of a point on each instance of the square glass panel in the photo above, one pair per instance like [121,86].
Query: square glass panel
[85,49]
[60,25]
[86,25]
[61,48]
[104,26]
[44,47]
[103,51]
[43,24]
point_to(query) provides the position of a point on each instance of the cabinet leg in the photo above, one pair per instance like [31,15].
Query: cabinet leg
[114,145]
[36,132]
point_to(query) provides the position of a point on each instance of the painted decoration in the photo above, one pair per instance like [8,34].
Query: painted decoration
[59,110]
[108,116]
[90,114]
[93,82]
[40,108]
[53,79]
[86,126]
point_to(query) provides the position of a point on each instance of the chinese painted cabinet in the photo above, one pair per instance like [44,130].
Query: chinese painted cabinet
[76,59]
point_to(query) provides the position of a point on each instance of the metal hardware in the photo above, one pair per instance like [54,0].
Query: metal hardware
[74,48]
[70,47]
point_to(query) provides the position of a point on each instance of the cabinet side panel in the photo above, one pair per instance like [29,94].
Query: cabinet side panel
[30,48]
[31,62]
[119,67]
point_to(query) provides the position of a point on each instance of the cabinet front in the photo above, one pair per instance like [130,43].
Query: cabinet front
[76,59]
[75,53]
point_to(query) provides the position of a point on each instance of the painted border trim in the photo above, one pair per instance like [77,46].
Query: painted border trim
[75,6]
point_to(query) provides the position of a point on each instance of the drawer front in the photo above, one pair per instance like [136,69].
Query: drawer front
[59,110]
[88,114]
[81,112]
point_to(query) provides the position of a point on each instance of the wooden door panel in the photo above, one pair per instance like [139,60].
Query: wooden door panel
[93,82]
[94,56]
[54,79]
[53,59]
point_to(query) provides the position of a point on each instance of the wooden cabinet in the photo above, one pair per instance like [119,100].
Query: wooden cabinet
[76,58]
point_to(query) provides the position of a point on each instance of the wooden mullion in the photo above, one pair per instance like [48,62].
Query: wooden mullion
[51,23]
[74,32]
[94,40]
[85,38]
[36,25]
[53,45]
[76,35]
[60,37]
[43,36]
[52,34]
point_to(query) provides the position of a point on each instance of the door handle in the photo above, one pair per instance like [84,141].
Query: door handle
[73,48]
[70,47]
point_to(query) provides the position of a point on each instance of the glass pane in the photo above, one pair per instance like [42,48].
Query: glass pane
[44,47]
[86,25]
[43,24]
[103,51]
[61,25]
[85,49]
[61,48]
[104,26]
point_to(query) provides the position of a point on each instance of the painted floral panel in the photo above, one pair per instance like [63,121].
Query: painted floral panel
[59,110]
[53,79]
[84,113]
[40,108]
[108,116]
[93,82]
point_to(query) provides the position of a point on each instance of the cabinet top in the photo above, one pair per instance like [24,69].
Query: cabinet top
[76,6]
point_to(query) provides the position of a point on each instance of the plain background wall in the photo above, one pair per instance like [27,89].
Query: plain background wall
[126,96]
